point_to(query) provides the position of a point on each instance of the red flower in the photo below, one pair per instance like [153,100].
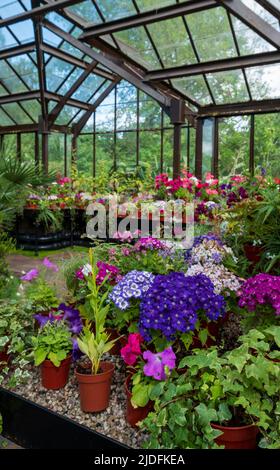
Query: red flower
[132,349]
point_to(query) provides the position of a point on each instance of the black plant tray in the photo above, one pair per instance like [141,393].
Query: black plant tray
[32,426]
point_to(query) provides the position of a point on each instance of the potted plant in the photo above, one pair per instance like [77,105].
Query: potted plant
[95,378]
[219,400]
[52,349]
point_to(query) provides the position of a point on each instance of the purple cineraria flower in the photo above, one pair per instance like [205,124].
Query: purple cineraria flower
[32,274]
[174,302]
[157,364]
[132,286]
[48,264]
[262,289]
[149,243]
[217,257]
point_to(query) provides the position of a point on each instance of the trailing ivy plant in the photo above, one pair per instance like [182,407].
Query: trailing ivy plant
[238,388]
[16,328]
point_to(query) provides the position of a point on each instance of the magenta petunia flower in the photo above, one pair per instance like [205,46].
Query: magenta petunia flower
[156,363]
[32,274]
[48,264]
[132,349]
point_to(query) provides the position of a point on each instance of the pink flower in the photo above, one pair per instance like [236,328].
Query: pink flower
[48,264]
[211,191]
[238,178]
[132,349]
[63,181]
[157,363]
[32,274]
[79,275]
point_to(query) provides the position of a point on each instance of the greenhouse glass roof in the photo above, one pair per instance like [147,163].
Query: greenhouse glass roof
[60,59]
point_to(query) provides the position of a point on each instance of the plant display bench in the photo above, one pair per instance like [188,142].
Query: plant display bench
[35,427]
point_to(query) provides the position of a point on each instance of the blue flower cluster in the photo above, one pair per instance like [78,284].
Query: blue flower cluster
[133,285]
[175,301]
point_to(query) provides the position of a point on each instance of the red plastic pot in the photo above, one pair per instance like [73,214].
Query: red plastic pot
[243,437]
[95,389]
[54,378]
[134,415]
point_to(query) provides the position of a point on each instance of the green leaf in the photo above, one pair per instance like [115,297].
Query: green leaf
[140,395]
[203,335]
[205,415]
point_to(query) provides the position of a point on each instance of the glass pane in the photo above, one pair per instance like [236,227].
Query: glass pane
[10,8]
[59,21]
[149,150]
[116,9]
[6,39]
[194,88]
[4,119]
[267,144]
[262,12]
[172,42]
[211,33]
[105,118]
[126,93]
[85,155]
[66,115]
[24,31]
[136,44]
[249,42]
[149,112]
[56,71]
[99,91]
[104,153]
[126,151]
[10,145]
[9,79]
[88,88]
[207,146]
[126,116]
[73,77]
[264,81]
[26,69]
[28,147]
[228,87]
[145,5]
[50,38]
[234,134]
[33,107]
[86,11]
[56,153]
[17,113]
[168,152]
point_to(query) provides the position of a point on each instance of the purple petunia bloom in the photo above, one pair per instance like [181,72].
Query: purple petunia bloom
[48,264]
[76,352]
[43,319]
[72,316]
[32,274]
[157,363]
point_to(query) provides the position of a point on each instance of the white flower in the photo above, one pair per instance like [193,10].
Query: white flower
[87,269]
[52,197]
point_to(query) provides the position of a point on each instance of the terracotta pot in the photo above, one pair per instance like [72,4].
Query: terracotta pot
[95,389]
[134,415]
[116,349]
[54,378]
[243,437]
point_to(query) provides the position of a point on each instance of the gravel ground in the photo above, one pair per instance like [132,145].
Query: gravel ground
[111,422]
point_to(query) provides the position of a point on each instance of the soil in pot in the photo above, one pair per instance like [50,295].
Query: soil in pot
[134,415]
[95,389]
[54,378]
[242,437]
